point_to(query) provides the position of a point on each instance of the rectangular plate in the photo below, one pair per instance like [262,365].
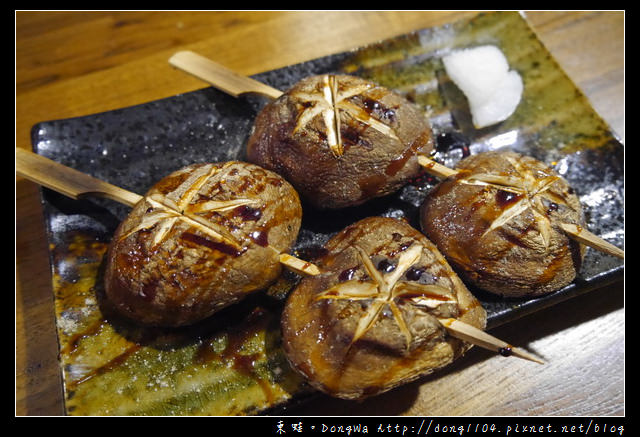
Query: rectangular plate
[232,364]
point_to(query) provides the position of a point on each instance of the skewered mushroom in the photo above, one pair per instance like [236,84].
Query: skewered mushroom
[202,238]
[340,140]
[373,319]
[498,220]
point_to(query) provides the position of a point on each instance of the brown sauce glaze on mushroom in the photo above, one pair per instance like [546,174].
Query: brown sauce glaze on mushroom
[201,239]
[340,140]
[361,333]
[497,222]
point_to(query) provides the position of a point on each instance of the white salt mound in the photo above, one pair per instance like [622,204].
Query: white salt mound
[482,74]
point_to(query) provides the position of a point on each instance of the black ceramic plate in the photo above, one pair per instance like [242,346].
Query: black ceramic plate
[233,364]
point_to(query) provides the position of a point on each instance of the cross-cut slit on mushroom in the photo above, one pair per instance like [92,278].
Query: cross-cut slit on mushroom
[385,290]
[169,211]
[329,104]
[516,244]
[530,191]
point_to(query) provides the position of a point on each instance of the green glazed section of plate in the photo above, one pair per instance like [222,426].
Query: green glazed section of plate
[229,365]
[233,363]
[553,112]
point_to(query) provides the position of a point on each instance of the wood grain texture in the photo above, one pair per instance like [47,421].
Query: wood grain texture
[78,63]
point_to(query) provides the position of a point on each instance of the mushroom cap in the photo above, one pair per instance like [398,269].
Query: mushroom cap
[497,223]
[370,321]
[201,239]
[340,140]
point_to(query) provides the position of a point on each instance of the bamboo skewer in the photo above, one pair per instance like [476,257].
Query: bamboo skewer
[436,169]
[221,77]
[77,185]
[299,266]
[235,84]
[587,238]
[68,181]
[471,334]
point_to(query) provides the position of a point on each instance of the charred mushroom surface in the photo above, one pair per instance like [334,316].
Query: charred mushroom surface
[201,239]
[497,221]
[340,140]
[369,322]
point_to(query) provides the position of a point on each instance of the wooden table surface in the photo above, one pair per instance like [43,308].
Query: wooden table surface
[79,63]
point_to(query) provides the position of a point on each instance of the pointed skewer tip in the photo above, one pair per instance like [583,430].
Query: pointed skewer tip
[521,353]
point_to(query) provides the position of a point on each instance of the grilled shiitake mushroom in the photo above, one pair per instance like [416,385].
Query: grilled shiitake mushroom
[340,140]
[202,238]
[497,221]
[371,320]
